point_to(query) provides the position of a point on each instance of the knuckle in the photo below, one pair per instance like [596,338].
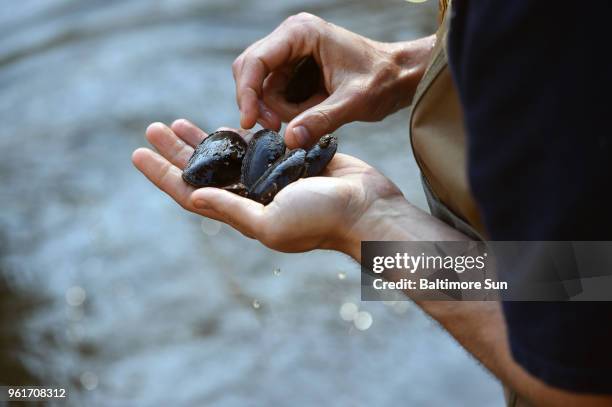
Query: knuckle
[302,18]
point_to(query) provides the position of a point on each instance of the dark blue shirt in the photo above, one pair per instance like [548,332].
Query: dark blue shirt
[535,82]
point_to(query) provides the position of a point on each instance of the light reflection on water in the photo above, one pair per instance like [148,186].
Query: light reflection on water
[108,287]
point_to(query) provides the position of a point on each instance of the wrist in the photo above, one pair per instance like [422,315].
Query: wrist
[411,59]
[378,221]
[395,219]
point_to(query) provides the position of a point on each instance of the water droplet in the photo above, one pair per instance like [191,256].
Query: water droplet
[89,380]
[210,227]
[341,275]
[363,320]
[75,296]
[348,310]
[276,271]
[256,304]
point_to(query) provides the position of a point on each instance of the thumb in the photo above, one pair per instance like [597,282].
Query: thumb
[312,124]
[240,213]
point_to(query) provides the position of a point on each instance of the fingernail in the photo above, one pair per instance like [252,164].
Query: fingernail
[301,135]
[201,204]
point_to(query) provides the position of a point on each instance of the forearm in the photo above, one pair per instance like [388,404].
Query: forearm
[397,219]
[478,326]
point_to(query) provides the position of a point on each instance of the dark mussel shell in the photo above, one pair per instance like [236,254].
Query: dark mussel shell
[282,173]
[238,189]
[264,149]
[320,155]
[304,81]
[216,161]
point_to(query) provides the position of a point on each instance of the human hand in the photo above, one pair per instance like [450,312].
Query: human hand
[363,79]
[317,212]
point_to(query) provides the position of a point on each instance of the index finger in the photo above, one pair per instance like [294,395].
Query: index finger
[296,37]
[254,66]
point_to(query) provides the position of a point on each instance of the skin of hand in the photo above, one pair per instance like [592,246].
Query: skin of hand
[311,213]
[363,80]
[350,203]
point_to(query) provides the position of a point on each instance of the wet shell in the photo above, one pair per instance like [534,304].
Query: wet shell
[264,149]
[216,161]
[238,189]
[282,173]
[304,81]
[320,155]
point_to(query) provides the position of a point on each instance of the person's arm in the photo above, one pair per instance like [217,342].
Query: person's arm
[478,326]
[354,202]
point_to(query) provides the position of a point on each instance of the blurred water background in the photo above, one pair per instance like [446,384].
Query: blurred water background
[109,288]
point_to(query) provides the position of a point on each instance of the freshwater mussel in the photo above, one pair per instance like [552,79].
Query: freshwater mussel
[257,170]
[304,80]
